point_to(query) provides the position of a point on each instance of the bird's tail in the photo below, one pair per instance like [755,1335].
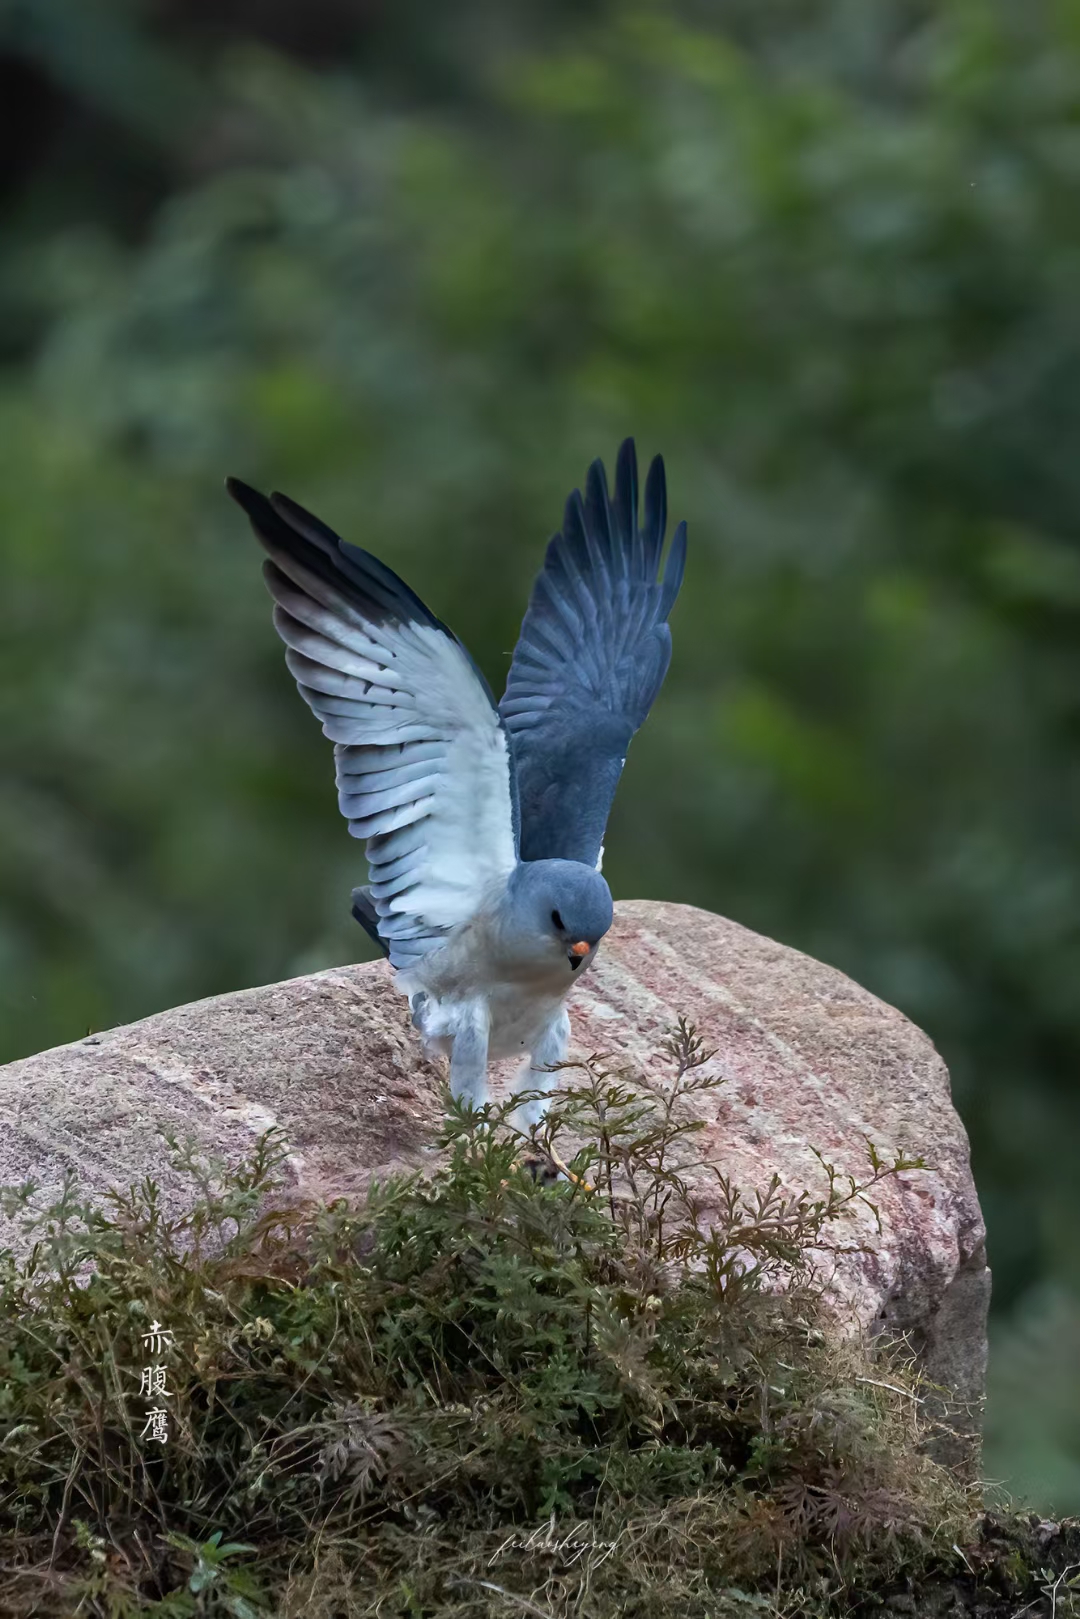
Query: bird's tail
[365,913]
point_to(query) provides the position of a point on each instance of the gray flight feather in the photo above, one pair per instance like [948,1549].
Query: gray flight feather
[592,655]
[348,624]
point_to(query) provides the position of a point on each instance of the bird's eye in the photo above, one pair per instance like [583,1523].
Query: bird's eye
[557,919]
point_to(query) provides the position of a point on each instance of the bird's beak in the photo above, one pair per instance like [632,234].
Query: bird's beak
[579,949]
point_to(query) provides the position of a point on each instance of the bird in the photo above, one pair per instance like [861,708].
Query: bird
[483,822]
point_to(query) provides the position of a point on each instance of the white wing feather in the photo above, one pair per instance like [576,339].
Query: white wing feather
[423,766]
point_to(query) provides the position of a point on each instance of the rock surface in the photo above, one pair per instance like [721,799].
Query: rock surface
[809,1059]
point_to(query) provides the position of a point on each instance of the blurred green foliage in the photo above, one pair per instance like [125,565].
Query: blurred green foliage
[824,258]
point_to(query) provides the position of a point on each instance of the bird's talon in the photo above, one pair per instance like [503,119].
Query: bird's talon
[546,1168]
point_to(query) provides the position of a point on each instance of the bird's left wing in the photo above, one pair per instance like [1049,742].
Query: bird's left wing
[593,653]
[423,767]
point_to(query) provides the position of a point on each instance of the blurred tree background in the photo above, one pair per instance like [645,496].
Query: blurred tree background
[417,266]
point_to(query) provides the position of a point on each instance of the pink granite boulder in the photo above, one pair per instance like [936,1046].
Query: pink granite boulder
[810,1060]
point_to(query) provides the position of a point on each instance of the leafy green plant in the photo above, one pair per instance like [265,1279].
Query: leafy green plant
[621,1389]
[236,1590]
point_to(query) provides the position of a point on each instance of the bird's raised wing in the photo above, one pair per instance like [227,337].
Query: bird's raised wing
[592,655]
[423,766]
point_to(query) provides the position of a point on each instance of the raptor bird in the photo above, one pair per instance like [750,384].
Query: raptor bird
[483,823]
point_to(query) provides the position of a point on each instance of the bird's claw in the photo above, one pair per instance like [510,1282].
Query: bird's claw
[545,1168]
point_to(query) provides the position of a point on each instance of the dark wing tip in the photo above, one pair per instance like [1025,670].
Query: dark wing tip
[279,514]
[598,511]
[365,913]
[244,495]
[283,525]
[574,521]
[277,517]
[674,568]
[596,484]
[625,504]
[310,526]
[269,525]
[655,511]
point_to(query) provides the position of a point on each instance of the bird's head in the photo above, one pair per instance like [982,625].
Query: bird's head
[563,903]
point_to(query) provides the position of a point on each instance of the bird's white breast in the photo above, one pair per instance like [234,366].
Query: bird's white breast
[470,974]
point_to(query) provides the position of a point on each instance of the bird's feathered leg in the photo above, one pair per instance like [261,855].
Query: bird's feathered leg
[469,1053]
[536,1073]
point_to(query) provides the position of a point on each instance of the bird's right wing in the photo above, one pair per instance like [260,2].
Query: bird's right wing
[593,653]
[423,766]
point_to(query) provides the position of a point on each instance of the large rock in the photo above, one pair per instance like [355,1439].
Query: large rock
[810,1060]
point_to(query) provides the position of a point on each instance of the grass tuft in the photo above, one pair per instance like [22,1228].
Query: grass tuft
[476,1393]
